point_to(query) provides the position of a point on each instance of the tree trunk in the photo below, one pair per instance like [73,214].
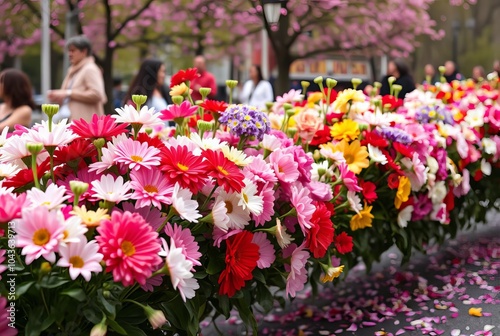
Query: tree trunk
[282,83]
[107,72]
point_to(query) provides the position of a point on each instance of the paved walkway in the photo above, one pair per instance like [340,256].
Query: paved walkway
[430,296]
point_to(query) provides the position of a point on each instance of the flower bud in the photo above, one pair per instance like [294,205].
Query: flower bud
[155,317]
[230,83]
[331,83]
[442,69]
[397,89]
[34,147]
[99,330]
[287,106]
[50,109]
[305,84]
[45,268]
[318,80]
[269,105]
[291,132]
[205,92]
[356,82]
[391,80]
[362,127]
[177,100]
[78,187]
[148,131]
[316,155]
[204,125]
[99,143]
[139,100]
[377,85]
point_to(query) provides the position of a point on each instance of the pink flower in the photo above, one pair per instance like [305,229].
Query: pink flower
[303,206]
[82,175]
[174,112]
[130,247]
[308,122]
[416,172]
[266,250]
[219,235]
[12,206]
[39,232]
[81,258]
[152,216]
[284,165]
[2,259]
[151,188]
[348,177]
[184,240]
[464,187]
[137,155]
[154,281]
[320,191]
[297,275]
[267,195]
[259,171]
[5,328]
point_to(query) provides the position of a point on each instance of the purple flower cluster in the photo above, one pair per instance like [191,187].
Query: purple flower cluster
[244,120]
[395,134]
[428,113]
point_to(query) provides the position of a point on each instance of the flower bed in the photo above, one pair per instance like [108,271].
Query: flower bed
[124,225]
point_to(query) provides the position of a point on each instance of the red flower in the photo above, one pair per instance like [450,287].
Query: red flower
[404,150]
[343,243]
[449,200]
[224,171]
[322,136]
[477,176]
[393,181]
[320,236]
[214,106]
[181,166]
[193,121]
[99,127]
[333,95]
[391,102]
[241,259]
[75,153]
[391,163]
[374,139]
[152,142]
[25,176]
[183,76]
[368,191]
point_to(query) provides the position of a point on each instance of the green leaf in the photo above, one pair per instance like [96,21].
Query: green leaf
[133,331]
[259,276]
[224,306]
[264,297]
[23,288]
[116,327]
[110,308]
[76,293]
[51,282]
[246,315]
[215,263]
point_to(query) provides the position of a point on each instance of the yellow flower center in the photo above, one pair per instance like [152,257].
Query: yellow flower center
[349,158]
[41,237]
[229,207]
[46,203]
[136,158]
[128,248]
[182,167]
[245,197]
[150,188]
[222,170]
[76,261]
[65,234]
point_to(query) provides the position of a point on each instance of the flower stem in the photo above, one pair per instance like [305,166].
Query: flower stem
[35,171]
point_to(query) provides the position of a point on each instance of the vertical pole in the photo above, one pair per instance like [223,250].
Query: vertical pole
[265,54]
[383,66]
[45,66]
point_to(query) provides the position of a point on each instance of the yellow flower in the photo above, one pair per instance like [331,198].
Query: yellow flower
[332,273]
[315,97]
[355,155]
[403,193]
[347,97]
[180,90]
[90,218]
[347,129]
[478,312]
[362,219]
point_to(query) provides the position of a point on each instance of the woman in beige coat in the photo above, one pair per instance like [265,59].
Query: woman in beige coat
[82,93]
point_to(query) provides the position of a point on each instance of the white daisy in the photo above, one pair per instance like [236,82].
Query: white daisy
[111,190]
[60,134]
[74,231]
[475,117]
[3,135]
[14,150]
[376,154]
[8,170]
[270,142]
[184,141]
[235,155]
[249,198]
[489,146]
[282,237]
[145,117]
[184,205]
[228,214]
[207,143]
[53,197]
[404,216]
[354,201]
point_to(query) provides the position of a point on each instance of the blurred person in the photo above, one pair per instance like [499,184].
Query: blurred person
[82,93]
[496,69]
[431,76]
[150,81]
[118,93]
[257,91]
[399,69]
[17,96]
[478,74]
[206,79]
[451,73]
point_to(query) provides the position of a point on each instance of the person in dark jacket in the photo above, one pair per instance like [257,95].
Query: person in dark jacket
[451,73]
[399,69]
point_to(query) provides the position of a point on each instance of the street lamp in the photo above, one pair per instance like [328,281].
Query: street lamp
[271,14]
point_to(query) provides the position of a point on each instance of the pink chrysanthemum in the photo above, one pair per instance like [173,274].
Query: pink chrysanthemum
[259,171]
[297,275]
[152,216]
[267,195]
[12,206]
[266,250]
[151,187]
[81,258]
[130,247]
[348,178]
[39,232]
[137,155]
[176,112]
[284,165]
[184,240]
[416,172]
[303,205]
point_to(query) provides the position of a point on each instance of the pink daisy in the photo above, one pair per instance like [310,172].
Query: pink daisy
[175,112]
[53,197]
[81,258]
[266,250]
[12,206]
[82,175]
[5,328]
[259,171]
[2,266]
[320,191]
[152,216]
[39,232]
[303,205]
[219,235]
[184,240]
[284,165]
[267,195]
[130,247]
[348,177]
[151,188]
[99,127]
[416,172]
[136,155]
[297,275]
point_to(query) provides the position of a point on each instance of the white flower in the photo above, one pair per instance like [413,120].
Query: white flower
[179,269]
[375,119]
[74,231]
[322,167]
[227,213]
[432,164]
[8,170]
[438,192]
[82,258]
[14,150]
[53,197]
[354,201]
[475,118]
[490,146]
[336,157]
[404,216]
[145,117]
[184,205]
[184,141]
[239,158]
[109,155]
[485,167]
[60,134]
[249,198]
[206,143]
[376,154]
[3,135]
[282,237]
[111,190]
[270,142]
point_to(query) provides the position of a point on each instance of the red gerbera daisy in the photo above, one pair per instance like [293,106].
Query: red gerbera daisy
[183,76]
[152,142]
[25,176]
[368,191]
[193,121]
[320,235]
[391,163]
[181,166]
[75,153]
[214,106]
[241,259]
[343,243]
[404,150]
[227,174]
[321,136]
[392,102]
[374,139]
[99,127]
